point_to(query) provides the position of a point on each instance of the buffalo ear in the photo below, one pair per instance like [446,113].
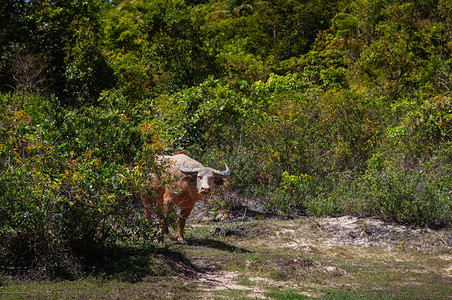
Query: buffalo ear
[219,181]
[189,178]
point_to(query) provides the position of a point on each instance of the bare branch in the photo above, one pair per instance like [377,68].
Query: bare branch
[28,74]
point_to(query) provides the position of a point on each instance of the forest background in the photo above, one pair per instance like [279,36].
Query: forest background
[318,107]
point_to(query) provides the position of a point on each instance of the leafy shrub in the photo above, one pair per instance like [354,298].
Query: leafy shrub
[301,130]
[199,116]
[321,68]
[414,196]
[289,197]
[240,65]
[87,72]
[409,196]
[67,192]
[131,75]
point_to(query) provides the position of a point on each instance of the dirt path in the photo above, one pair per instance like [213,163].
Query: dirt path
[220,280]
[311,256]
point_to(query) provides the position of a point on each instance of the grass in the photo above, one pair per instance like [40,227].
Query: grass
[285,294]
[293,259]
[94,288]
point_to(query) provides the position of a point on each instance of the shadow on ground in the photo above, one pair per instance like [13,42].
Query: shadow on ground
[216,245]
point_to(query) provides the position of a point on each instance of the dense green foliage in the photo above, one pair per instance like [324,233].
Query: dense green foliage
[66,179]
[323,108]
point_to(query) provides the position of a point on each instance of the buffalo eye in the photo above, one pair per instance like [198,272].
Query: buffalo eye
[200,176]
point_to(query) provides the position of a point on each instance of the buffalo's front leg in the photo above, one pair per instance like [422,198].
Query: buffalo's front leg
[148,209]
[184,213]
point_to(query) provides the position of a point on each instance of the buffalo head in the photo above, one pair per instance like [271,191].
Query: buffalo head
[206,178]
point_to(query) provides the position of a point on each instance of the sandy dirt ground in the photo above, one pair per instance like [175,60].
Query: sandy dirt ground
[308,234]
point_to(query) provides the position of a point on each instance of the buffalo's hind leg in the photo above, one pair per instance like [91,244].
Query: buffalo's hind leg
[154,205]
[184,213]
[162,214]
[163,228]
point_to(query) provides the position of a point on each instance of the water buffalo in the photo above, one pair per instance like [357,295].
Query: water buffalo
[193,182]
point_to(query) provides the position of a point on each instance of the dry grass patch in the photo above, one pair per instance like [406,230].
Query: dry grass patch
[329,256]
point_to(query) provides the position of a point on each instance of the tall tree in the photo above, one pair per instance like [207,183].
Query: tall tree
[232,9]
[287,28]
[177,48]
[12,33]
[52,31]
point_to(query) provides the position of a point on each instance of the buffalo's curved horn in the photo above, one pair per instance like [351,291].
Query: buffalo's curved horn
[227,172]
[188,171]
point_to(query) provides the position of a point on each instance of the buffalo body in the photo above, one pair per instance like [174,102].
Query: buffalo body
[193,182]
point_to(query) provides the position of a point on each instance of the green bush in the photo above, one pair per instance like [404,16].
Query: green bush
[408,196]
[422,197]
[300,130]
[290,197]
[68,190]
[209,114]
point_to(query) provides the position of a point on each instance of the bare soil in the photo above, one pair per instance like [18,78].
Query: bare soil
[250,256]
